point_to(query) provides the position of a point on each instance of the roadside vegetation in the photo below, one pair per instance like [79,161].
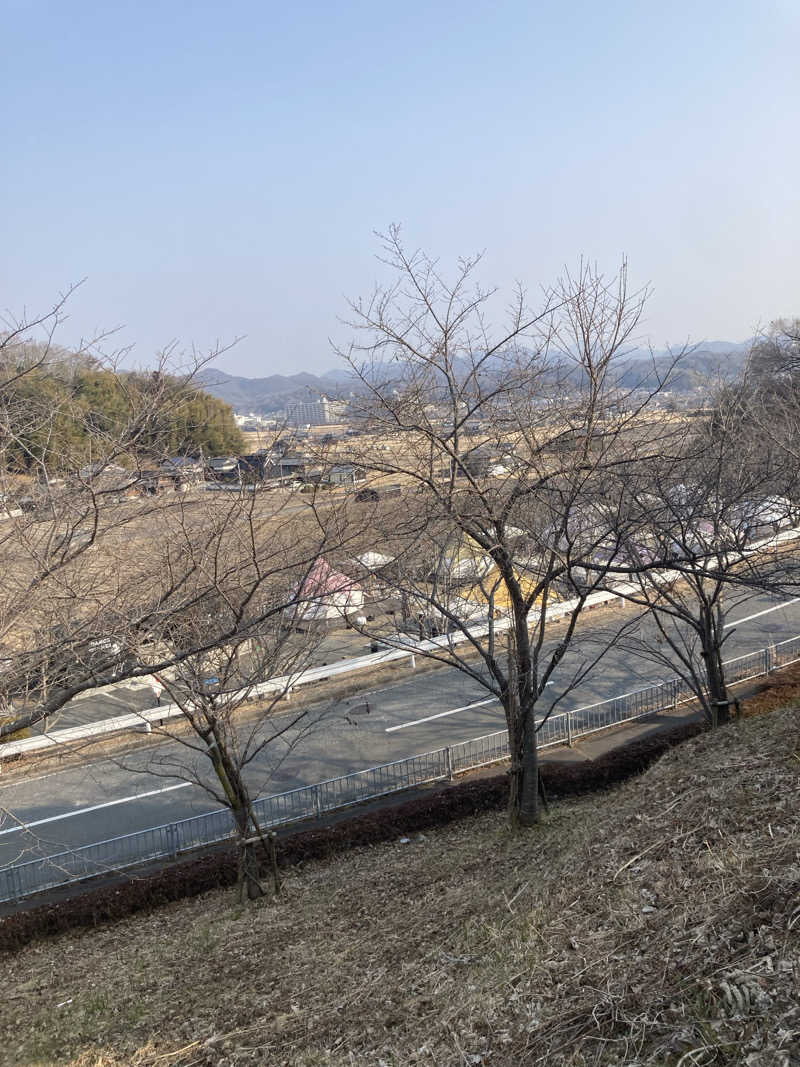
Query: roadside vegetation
[656,924]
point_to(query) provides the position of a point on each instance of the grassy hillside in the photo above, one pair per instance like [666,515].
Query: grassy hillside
[657,924]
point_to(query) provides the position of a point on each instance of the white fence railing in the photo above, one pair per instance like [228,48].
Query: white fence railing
[21,880]
[144,720]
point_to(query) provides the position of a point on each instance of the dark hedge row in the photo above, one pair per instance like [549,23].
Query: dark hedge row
[190,877]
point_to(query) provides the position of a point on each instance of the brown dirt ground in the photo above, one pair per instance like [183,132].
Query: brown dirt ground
[780,690]
[657,924]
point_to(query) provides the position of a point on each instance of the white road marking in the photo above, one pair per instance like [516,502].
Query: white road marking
[758,614]
[442,714]
[95,807]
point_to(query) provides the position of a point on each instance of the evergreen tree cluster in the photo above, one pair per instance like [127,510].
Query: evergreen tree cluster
[65,413]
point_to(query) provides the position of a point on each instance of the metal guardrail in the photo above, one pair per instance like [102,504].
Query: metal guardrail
[22,880]
[146,719]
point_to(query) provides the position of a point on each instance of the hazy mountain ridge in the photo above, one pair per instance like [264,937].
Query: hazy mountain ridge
[707,364]
[265,394]
[638,368]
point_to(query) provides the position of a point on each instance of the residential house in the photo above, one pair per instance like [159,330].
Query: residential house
[325,594]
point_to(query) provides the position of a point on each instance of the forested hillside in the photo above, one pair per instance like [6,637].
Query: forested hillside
[58,409]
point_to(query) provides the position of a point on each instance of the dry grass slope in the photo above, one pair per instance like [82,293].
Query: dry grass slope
[658,924]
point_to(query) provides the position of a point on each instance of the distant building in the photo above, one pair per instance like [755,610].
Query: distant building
[253,422]
[184,470]
[315,412]
[109,479]
[290,465]
[346,474]
[223,469]
[256,466]
[324,594]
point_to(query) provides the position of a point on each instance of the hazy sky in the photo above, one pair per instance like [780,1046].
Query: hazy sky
[218,169]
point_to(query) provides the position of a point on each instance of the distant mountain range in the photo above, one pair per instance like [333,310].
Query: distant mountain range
[710,362]
[262,395]
[711,359]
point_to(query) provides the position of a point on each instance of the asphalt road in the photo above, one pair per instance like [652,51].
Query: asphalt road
[138,695]
[49,813]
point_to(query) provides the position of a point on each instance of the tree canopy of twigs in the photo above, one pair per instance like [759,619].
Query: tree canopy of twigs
[517,438]
[700,538]
[99,567]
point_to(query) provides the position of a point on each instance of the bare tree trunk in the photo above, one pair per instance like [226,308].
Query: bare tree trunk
[240,879]
[717,689]
[715,672]
[268,844]
[248,867]
[273,859]
[515,773]
[529,791]
[232,782]
[523,795]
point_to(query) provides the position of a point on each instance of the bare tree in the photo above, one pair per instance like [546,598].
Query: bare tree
[764,403]
[699,539]
[235,616]
[99,558]
[232,718]
[514,439]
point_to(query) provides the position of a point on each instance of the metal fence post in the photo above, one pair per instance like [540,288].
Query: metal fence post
[569,729]
[172,839]
[14,884]
[316,800]
[448,762]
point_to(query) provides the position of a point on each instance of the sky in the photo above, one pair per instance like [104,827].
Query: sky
[217,171]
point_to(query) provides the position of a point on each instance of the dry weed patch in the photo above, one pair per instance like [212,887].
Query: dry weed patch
[656,924]
[780,690]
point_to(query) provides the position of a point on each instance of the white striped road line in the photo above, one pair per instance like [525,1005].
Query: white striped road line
[758,614]
[442,714]
[95,807]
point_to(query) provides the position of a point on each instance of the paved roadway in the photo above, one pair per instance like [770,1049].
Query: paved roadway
[107,797]
[138,694]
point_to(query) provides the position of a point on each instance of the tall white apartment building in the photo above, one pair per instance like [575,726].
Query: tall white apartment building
[315,412]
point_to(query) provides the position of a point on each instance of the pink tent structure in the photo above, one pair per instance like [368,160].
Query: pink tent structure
[326,594]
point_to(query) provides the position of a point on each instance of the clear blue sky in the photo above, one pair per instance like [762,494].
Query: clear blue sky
[217,169]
